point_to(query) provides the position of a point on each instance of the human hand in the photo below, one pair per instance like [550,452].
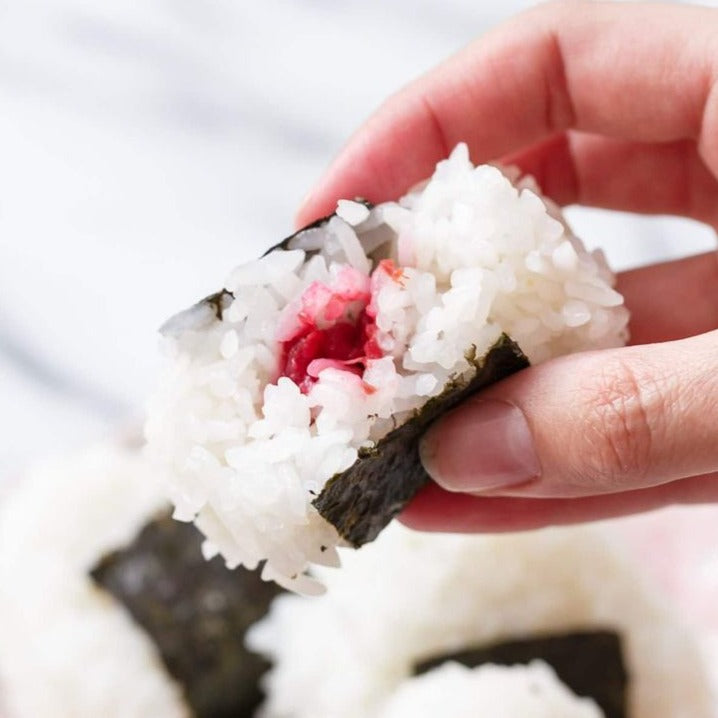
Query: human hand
[610,105]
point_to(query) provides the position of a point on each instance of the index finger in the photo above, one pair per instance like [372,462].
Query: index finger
[638,71]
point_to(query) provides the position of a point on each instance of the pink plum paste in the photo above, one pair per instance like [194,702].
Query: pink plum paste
[333,325]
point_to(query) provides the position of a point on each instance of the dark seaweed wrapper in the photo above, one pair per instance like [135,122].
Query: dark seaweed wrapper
[590,663]
[196,612]
[362,500]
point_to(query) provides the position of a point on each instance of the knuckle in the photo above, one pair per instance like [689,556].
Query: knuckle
[623,414]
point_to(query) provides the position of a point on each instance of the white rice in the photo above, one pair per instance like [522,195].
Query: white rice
[244,455]
[408,597]
[454,691]
[68,649]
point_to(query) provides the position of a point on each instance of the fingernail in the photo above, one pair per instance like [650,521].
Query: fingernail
[484,445]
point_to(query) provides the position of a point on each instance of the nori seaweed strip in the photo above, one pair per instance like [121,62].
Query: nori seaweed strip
[284,244]
[218,302]
[590,663]
[362,500]
[196,612]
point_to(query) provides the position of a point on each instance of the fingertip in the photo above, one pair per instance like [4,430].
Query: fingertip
[307,212]
[396,148]
[331,186]
[437,510]
[317,203]
[429,510]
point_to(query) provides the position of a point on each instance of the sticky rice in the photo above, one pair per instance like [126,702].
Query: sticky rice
[454,691]
[310,356]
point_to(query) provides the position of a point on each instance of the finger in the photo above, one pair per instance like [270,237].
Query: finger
[629,70]
[435,509]
[587,424]
[671,300]
[667,178]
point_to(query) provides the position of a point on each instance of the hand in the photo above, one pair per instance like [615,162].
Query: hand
[611,105]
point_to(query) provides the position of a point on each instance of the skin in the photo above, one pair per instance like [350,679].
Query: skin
[608,105]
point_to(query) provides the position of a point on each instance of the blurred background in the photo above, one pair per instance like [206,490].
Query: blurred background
[145,148]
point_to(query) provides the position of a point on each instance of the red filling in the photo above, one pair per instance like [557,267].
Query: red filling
[337,326]
[349,343]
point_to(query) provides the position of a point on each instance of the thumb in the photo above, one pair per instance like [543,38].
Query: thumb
[586,424]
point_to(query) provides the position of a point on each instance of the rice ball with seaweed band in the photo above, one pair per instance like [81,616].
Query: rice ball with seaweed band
[403,605]
[288,419]
[115,613]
